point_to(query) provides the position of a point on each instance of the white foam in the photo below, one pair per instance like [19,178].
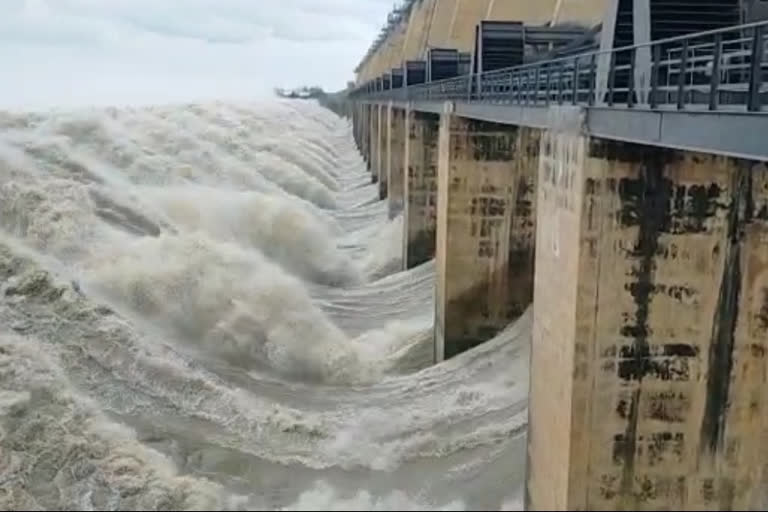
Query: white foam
[385,249]
[257,321]
[324,497]
[233,303]
[58,451]
[284,231]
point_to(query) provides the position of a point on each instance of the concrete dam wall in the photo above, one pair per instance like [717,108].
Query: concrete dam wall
[451,24]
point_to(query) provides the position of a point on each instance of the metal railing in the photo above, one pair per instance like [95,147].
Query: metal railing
[724,69]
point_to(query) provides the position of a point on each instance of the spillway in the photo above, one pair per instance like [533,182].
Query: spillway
[201,306]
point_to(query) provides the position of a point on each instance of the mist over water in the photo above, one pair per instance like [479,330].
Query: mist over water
[202,306]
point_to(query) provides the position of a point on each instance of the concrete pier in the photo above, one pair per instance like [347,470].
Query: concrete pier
[364,123]
[382,145]
[356,124]
[648,368]
[395,160]
[373,138]
[420,215]
[485,230]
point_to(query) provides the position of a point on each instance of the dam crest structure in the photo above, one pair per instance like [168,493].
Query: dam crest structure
[605,163]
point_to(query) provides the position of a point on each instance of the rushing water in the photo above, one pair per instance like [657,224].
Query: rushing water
[201,307]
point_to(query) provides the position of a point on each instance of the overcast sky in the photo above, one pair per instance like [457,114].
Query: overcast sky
[65,52]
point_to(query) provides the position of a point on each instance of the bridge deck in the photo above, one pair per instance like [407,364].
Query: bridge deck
[704,92]
[732,133]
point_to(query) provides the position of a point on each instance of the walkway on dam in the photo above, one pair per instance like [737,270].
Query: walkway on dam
[706,91]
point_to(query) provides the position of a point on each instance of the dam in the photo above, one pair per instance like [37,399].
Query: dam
[240,302]
[603,162]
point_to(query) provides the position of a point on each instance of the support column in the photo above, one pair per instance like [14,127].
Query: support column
[356,124]
[395,160]
[485,230]
[373,160]
[360,123]
[420,217]
[382,144]
[648,371]
[366,137]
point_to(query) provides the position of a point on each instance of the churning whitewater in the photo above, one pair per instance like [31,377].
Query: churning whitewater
[201,307]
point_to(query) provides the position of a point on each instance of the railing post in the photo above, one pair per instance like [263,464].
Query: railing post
[681,76]
[520,91]
[560,73]
[714,83]
[755,75]
[631,78]
[611,78]
[655,70]
[527,90]
[575,93]
[514,92]
[528,79]
[592,78]
[548,83]
[537,74]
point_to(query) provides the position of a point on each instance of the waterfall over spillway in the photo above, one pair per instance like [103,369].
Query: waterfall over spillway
[201,308]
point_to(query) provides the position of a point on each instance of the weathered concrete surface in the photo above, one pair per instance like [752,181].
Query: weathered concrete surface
[537,12]
[585,12]
[439,35]
[648,368]
[485,230]
[466,15]
[382,144]
[451,24]
[395,160]
[408,40]
[393,48]
[555,318]
[418,27]
[420,215]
